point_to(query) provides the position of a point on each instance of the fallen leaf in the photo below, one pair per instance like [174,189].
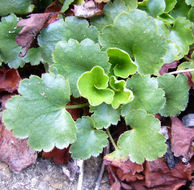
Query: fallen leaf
[101,1]
[168,66]
[159,176]
[4,99]
[59,156]
[9,80]
[87,10]
[31,28]
[115,186]
[15,152]
[181,139]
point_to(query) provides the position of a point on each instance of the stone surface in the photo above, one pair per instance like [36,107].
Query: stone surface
[46,175]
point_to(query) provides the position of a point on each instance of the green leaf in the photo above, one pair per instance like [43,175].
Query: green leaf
[187,65]
[104,115]
[136,33]
[15,6]
[90,142]
[189,2]
[146,93]
[170,4]
[73,27]
[122,94]
[156,7]
[72,59]
[191,14]
[66,5]
[34,56]
[143,142]
[9,50]
[39,113]
[132,4]
[111,10]
[176,93]
[121,62]
[181,34]
[93,85]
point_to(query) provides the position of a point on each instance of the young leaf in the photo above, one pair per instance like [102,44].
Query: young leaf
[90,142]
[156,7]
[39,113]
[15,6]
[93,85]
[142,142]
[121,62]
[104,115]
[147,95]
[176,93]
[66,5]
[136,33]
[122,94]
[61,30]
[170,4]
[72,59]
[9,50]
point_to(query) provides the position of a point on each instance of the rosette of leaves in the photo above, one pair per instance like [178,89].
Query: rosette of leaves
[72,59]
[39,113]
[9,49]
[142,142]
[147,94]
[122,94]
[176,93]
[90,142]
[122,65]
[93,85]
[136,33]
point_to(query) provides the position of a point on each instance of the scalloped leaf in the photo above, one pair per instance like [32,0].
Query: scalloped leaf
[147,95]
[181,35]
[134,32]
[122,64]
[20,7]
[9,50]
[104,116]
[170,4]
[143,142]
[187,65]
[61,30]
[156,7]
[72,59]
[90,142]
[189,2]
[122,94]
[39,113]
[93,85]
[176,93]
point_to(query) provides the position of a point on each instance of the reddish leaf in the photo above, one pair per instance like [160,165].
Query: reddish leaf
[159,176]
[181,139]
[58,156]
[115,186]
[15,152]
[31,28]
[138,185]
[9,80]
[190,81]
[4,99]
[168,66]
[87,10]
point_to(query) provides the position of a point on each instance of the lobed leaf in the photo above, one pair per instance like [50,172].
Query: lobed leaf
[122,65]
[136,33]
[104,115]
[147,95]
[39,113]
[143,142]
[189,2]
[156,7]
[93,85]
[176,93]
[72,59]
[61,30]
[122,94]
[90,142]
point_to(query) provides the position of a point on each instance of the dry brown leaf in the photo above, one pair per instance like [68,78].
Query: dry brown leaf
[9,80]
[15,152]
[168,66]
[181,139]
[31,28]
[87,10]
[101,1]
[115,186]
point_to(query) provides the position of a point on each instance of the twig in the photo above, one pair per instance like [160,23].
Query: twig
[98,182]
[181,71]
[80,163]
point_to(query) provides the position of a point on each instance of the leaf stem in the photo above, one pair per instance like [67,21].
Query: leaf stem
[76,106]
[111,139]
[181,71]
[188,59]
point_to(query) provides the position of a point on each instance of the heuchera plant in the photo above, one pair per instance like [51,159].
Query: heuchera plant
[113,62]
